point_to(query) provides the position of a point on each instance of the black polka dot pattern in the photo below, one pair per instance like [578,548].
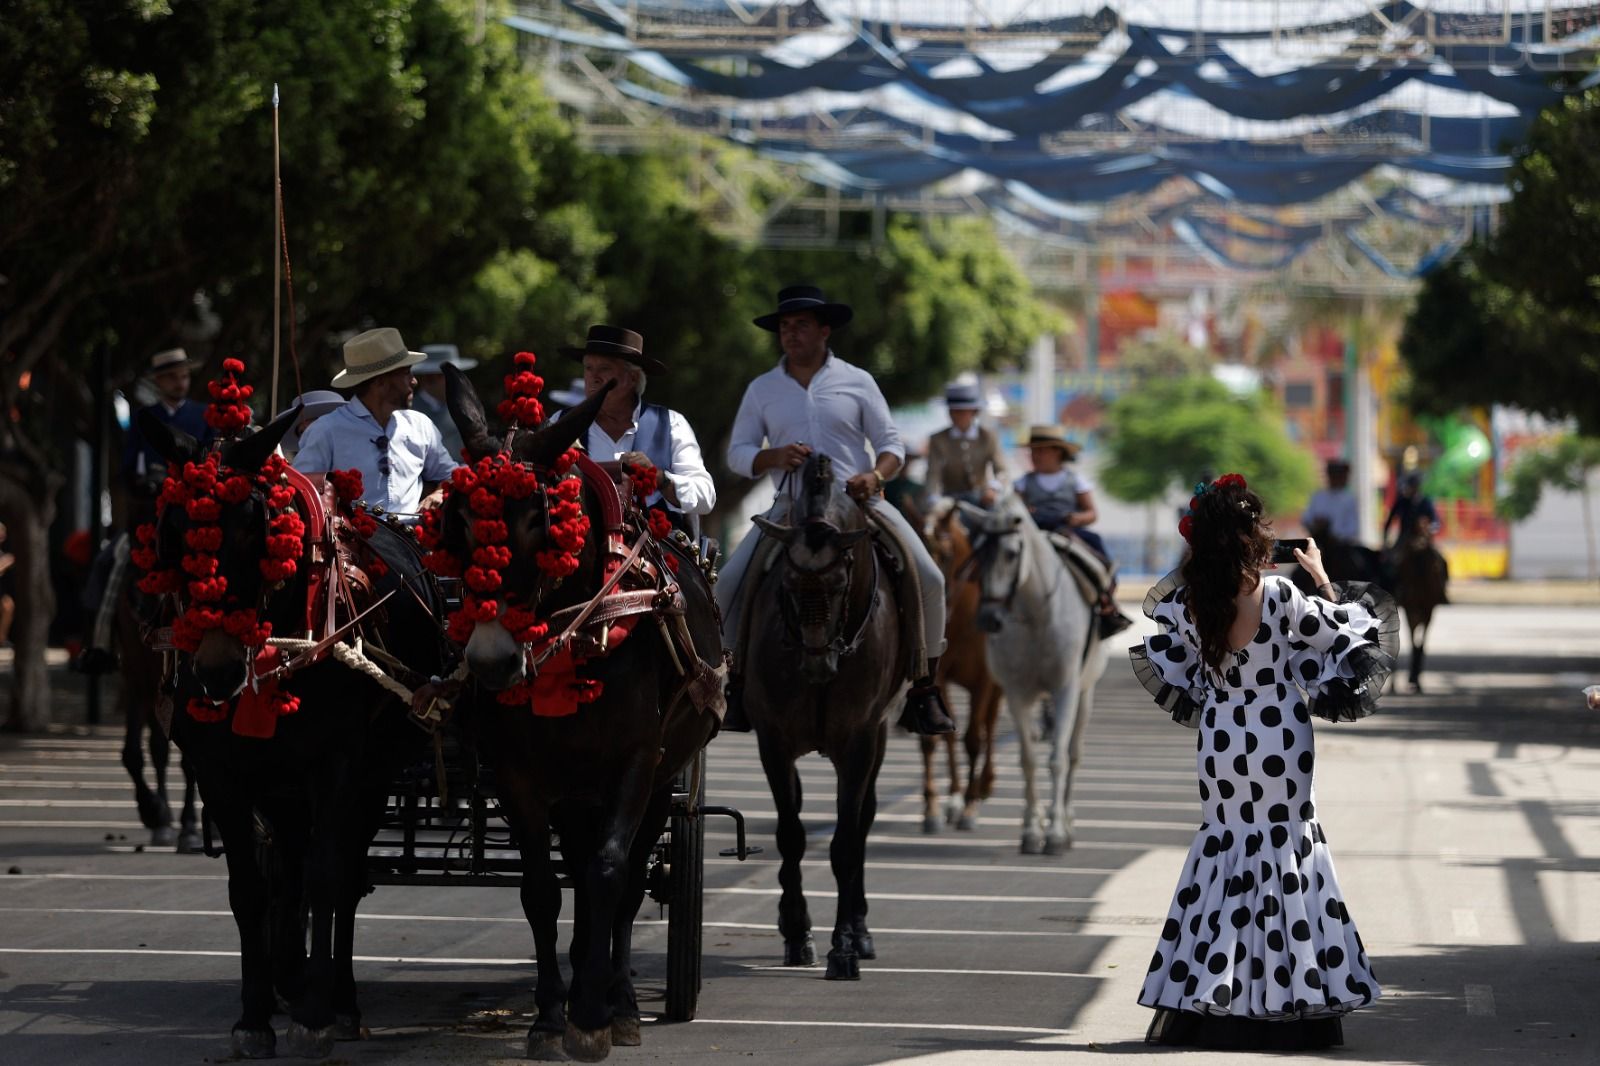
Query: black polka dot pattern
[1259,926]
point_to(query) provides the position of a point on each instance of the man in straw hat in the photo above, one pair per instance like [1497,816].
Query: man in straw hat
[815,401]
[964,459]
[398,451]
[1061,500]
[626,425]
[429,398]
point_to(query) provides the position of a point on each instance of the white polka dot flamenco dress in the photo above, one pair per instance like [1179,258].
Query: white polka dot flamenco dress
[1258,930]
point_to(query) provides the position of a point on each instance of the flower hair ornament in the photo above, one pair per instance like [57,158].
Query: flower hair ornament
[1186,523]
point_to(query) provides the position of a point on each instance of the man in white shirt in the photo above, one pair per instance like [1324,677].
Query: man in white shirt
[1335,506]
[815,401]
[398,451]
[626,424]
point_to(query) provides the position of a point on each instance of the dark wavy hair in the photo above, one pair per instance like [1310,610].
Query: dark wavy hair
[1230,542]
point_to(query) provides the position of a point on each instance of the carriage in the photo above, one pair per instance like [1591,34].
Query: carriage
[442,827]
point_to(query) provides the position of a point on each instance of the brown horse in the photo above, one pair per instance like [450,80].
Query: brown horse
[1421,575]
[827,659]
[964,663]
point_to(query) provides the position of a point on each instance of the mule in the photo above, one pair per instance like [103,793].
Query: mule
[601,776]
[297,805]
[964,663]
[1420,588]
[1043,641]
[827,662]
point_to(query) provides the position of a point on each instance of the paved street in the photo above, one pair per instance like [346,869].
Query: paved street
[1465,824]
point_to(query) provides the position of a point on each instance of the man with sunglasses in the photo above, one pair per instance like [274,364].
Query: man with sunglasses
[398,451]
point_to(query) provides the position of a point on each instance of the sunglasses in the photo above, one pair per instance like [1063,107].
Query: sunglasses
[382,443]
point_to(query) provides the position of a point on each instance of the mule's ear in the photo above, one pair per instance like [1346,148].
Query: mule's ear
[247,454]
[466,411]
[782,534]
[544,445]
[171,443]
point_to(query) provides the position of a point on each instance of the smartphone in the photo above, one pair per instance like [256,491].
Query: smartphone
[1283,550]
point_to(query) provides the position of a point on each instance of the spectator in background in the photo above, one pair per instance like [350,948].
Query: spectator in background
[143,469]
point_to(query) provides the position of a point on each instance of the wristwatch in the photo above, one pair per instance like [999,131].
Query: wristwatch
[882,481]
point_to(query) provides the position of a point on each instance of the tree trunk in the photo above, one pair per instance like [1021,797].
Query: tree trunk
[28,512]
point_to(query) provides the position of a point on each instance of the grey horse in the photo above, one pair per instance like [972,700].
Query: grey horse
[1043,644]
[827,663]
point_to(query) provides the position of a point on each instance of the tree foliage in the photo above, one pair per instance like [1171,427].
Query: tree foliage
[1515,318]
[1565,464]
[1165,434]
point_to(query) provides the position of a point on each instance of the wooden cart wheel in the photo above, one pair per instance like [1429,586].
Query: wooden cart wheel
[686,901]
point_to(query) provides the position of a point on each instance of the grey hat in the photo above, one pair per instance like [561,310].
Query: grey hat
[440,354]
[963,396]
[571,396]
[315,403]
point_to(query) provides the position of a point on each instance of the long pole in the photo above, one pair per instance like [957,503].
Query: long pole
[277,260]
[97,488]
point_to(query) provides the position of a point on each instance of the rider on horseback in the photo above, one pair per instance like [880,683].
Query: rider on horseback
[627,426]
[1061,501]
[142,471]
[1334,507]
[813,400]
[965,461]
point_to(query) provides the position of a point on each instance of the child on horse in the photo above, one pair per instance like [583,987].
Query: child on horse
[1061,501]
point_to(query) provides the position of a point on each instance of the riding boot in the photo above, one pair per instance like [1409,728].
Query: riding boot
[1111,619]
[735,720]
[925,713]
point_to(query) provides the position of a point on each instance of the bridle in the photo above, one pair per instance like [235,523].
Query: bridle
[984,545]
[804,600]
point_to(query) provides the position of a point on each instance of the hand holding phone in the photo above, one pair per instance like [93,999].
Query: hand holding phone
[1283,550]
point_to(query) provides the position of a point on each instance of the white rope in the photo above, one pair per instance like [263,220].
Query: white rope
[352,656]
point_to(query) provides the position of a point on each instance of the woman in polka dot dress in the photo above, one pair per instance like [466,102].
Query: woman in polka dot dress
[1258,950]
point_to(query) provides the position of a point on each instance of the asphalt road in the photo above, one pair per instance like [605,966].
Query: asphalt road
[1465,824]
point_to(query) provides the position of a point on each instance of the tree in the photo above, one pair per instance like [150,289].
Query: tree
[1165,434]
[1567,463]
[1165,355]
[1515,318]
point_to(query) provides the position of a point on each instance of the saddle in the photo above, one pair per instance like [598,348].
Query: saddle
[1092,574]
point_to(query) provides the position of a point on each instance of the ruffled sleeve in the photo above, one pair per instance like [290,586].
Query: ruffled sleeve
[1342,650]
[1168,663]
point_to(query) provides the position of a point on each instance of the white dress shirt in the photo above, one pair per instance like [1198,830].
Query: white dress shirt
[697,493]
[842,414]
[1338,506]
[348,438]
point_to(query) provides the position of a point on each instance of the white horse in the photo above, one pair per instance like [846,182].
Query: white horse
[1043,644]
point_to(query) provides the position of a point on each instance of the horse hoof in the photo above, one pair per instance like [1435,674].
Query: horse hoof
[189,842]
[931,824]
[865,948]
[587,1045]
[843,966]
[348,1027]
[1032,844]
[952,810]
[625,1031]
[800,952]
[308,1043]
[967,822]
[544,1045]
[254,1043]
[1055,846]
[163,837]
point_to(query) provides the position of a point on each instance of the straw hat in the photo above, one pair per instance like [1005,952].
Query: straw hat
[171,359]
[1053,436]
[377,351]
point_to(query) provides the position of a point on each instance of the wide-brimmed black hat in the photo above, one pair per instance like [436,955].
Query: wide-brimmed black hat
[618,343]
[806,298]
